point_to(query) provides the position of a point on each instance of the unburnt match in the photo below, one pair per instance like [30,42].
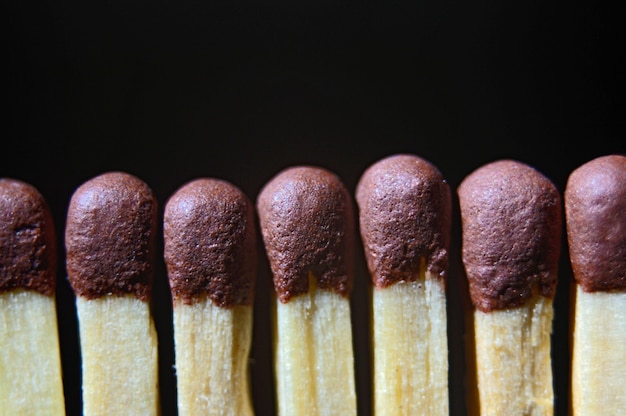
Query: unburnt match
[210,252]
[30,364]
[109,237]
[306,218]
[405,222]
[511,227]
[595,212]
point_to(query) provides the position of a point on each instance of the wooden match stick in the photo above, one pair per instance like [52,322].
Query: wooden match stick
[306,218]
[405,222]
[595,212]
[210,252]
[30,362]
[511,228]
[109,237]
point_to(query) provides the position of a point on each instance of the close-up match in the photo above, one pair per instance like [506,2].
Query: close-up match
[275,208]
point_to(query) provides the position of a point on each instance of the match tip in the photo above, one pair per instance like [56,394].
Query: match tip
[595,212]
[110,237]
[210,243]
[27,239]
[511,229]
[306,218]
[405,215]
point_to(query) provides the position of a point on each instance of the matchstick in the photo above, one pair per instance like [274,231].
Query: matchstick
[405,222]
[210,252]
[306,218]
[511,228]
[595,212]
[109,237]
[30,363]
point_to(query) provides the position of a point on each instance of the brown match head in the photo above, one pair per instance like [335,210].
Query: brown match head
[405,215]
[511,229]
[110,237]
[27,239]
[307,223]
[595,212]
[210,243]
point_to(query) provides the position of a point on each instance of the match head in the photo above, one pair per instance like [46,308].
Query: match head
[110,237]
[27,239]
[210,243]
[405,214]
[595,212]
[307,223]
[511,229]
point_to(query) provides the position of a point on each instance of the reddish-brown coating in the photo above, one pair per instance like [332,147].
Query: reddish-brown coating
[27,239]
[595,212]
[405,214]
[307,223]
[511,219]
[110,237]
[210,243]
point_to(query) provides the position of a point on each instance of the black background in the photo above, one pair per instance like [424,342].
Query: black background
[172,91]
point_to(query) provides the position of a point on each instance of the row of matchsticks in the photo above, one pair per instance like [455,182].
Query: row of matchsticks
[512,222]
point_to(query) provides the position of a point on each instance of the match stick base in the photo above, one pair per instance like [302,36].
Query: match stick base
[410,348]
[599,353]
[513,360]
[119,355]
[212,352]
[30,364]
[314,357]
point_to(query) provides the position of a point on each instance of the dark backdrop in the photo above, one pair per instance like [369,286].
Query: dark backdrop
[172,91]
